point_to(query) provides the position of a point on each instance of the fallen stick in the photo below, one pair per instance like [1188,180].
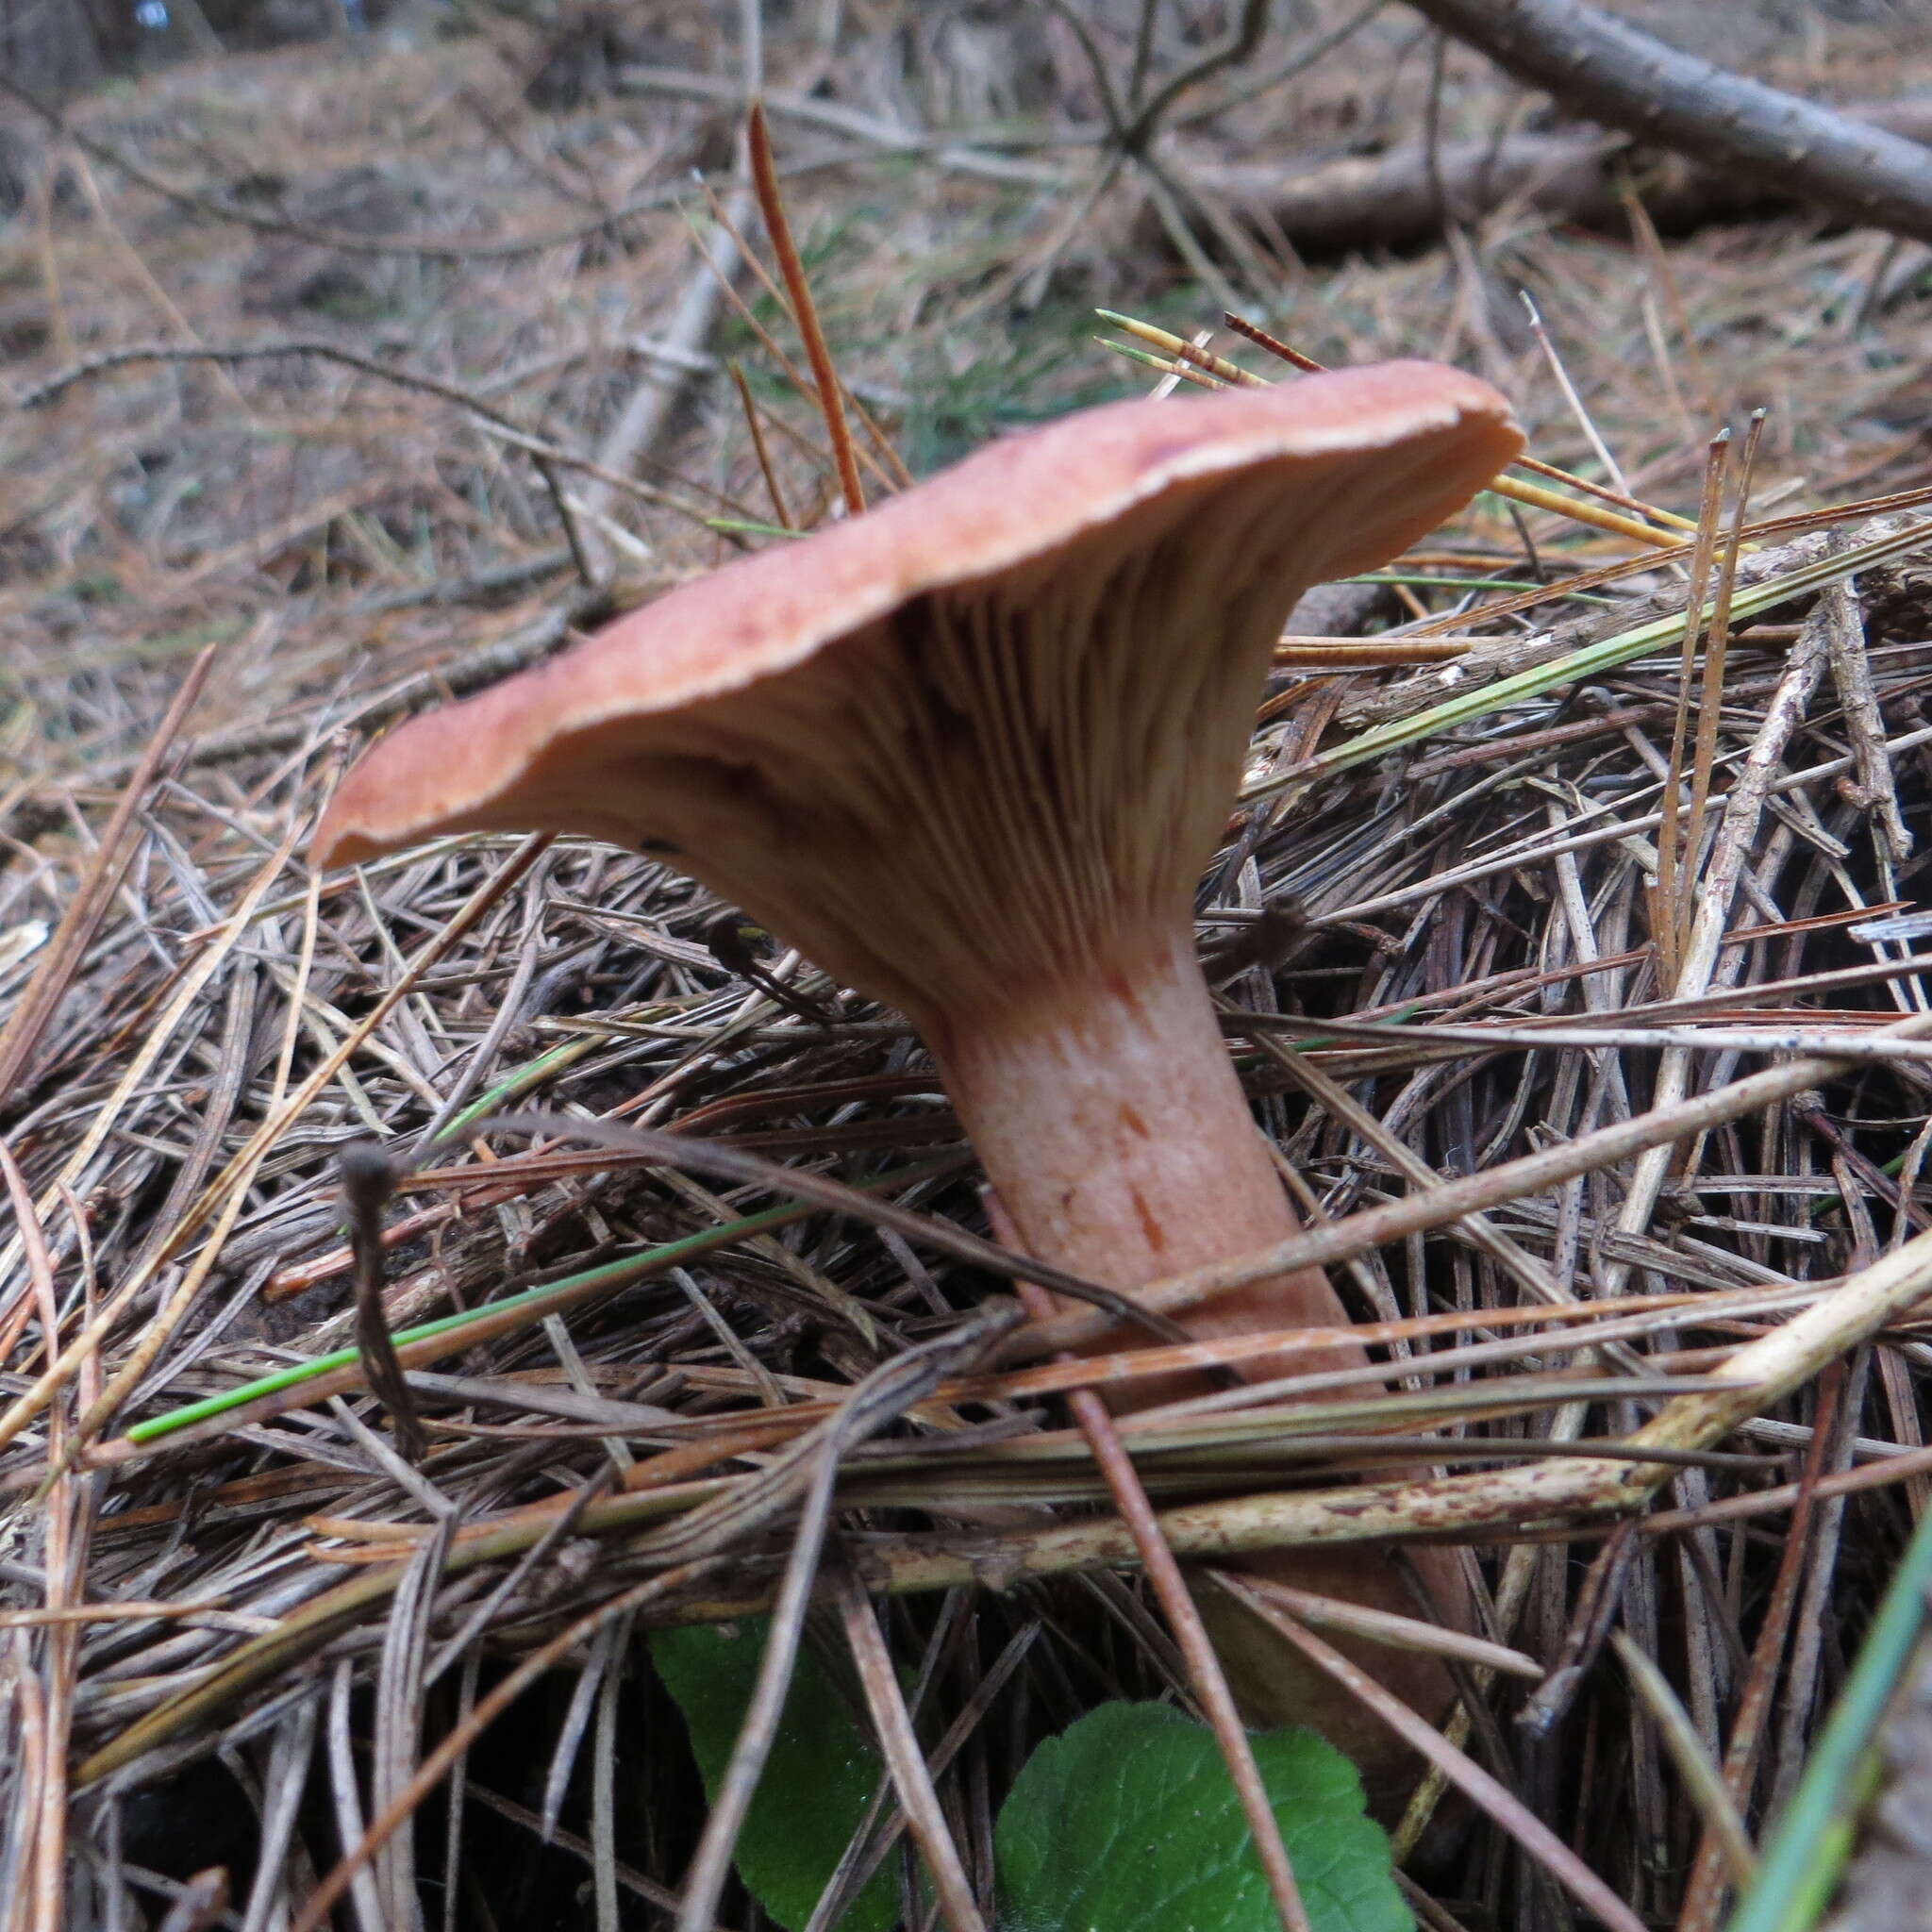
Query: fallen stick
[1601,67]
[1390,200]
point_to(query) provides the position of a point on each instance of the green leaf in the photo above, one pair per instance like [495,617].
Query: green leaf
[818,1780]
[1128,1822]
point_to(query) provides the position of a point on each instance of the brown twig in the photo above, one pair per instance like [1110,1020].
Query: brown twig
[778,229]
[368,1178]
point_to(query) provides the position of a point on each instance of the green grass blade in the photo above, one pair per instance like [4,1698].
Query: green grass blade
[1805,1858]
[1592,660]
[533,1304]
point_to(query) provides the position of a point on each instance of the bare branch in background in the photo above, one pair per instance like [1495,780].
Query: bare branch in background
[1600,67]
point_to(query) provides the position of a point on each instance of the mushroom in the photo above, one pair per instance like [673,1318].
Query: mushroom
[971,751]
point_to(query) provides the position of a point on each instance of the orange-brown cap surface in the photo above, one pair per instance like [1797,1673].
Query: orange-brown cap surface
[986,730]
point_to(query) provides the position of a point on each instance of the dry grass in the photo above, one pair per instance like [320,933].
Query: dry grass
[233,1630]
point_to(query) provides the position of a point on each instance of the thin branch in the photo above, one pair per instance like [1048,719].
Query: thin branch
[539,448]
[1239,46]
[1318,46]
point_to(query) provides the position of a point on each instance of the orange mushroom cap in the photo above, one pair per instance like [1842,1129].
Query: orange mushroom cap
[986,732]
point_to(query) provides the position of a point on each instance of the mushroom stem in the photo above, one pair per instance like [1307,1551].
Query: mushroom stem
[1107,1116]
